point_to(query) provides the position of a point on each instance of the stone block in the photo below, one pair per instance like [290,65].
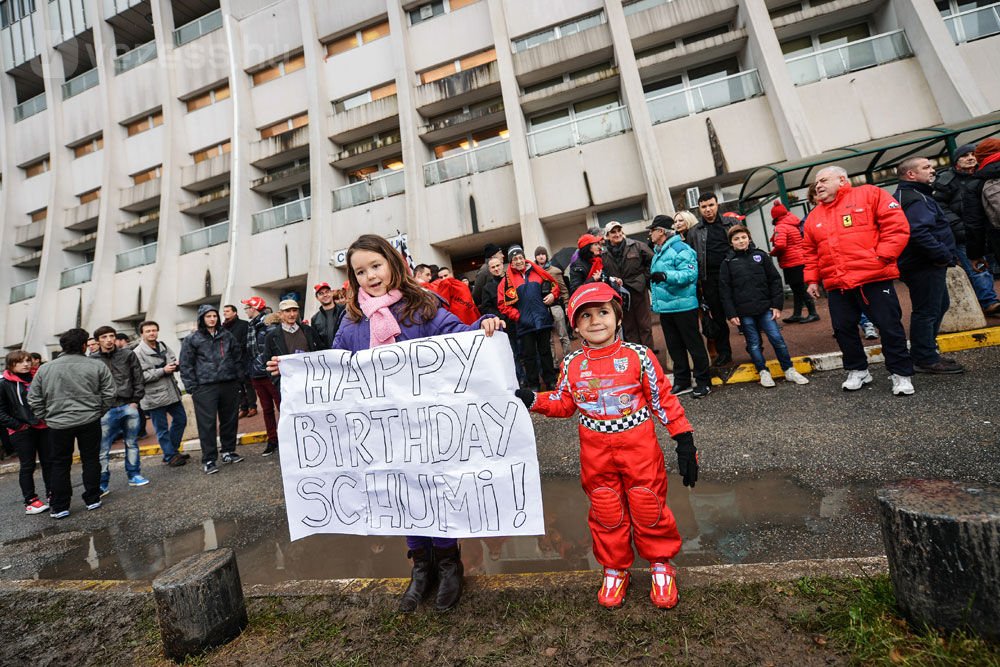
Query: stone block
[964,313]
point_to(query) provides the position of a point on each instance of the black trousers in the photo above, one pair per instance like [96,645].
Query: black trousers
[800,298]
[882,307]
[33,444]
[88,439]
[710,293]
[637,323]
[536,355]
[680,331]
[219,400]
[248,395]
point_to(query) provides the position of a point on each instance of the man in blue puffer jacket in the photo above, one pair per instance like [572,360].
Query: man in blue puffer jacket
[674,282]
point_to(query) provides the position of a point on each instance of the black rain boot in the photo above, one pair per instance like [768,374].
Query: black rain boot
[422,579]
[813,315]
[450,571]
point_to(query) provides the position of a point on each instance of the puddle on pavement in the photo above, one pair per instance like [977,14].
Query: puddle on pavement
[720,523]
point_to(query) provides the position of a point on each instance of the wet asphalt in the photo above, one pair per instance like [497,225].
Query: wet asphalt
[786,473]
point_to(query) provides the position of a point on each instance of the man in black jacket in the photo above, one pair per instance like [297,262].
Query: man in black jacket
[629,261]
[211,369]
[326,321]
[233,324]
[123,416]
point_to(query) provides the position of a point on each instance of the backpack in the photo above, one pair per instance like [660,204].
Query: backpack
[991,202]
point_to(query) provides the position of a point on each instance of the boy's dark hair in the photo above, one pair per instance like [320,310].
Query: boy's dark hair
[736,229]
[148,323]
[420,267]
[74,340]
[229,306]
[616,308]
[705,196]
[16,357]
[121,336]
[35,355]
[100,331]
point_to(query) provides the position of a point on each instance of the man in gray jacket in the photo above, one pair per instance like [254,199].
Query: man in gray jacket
[123,417]
[162,397]
[71,393]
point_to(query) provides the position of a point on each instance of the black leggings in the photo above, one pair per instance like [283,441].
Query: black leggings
[32,444]
[800,298]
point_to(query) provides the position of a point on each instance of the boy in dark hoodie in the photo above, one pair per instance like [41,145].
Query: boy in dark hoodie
[751,293]
[212,368]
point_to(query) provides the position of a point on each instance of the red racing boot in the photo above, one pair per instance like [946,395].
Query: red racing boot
[612,593]
[664,594]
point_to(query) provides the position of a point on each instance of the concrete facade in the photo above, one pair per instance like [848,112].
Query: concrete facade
[157,154]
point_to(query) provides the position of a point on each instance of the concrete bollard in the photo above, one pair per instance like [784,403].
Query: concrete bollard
[964,313]
[942,539]
[191,431]
[199,603]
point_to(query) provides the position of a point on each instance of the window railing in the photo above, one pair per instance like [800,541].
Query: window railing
[279,216]
[974,24]
[29,108]
[23,291]
[80,83]
[76,276]
[201,26]
[558,32]
[113,7]
[838,60]
[135,57]
[580,130]
[641,5]
[704,96]
[140,256]
[376,187]
[483,158]
[206,237]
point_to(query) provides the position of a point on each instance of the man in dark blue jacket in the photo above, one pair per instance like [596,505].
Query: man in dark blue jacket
[924,264]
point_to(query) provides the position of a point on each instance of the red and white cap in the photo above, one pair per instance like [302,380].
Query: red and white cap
[320,286]
[590,294]
[255,302]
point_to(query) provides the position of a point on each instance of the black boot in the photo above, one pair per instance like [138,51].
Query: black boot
[792,319]
[813,316]
[422,579]
[450,571]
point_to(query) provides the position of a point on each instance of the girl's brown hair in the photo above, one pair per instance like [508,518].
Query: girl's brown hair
[16,357]
[418,304]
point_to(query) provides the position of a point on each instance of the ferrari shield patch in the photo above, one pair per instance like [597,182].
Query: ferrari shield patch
[848,221]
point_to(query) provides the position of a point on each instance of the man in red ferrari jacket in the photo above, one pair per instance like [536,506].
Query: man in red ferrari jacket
[852,240]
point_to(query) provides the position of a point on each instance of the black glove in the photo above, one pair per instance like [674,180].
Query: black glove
[658,277]
[527,397]
[687,458]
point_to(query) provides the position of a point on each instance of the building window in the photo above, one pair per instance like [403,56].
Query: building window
[286,125]
[147,175]
[374,170]
[37,167]
[559,31]
[460,65]
[89,196]
[565,78]
[15,10]
[360,99]
[426,11]
[278,70]
[470,141]
[624,214]
[210,97]
[297,193]
[839,37]
[89,146]
[212,151]
[357,38]
[145,123]
[40,214]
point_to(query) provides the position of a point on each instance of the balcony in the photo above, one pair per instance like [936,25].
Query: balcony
[207,174]
[76,276]
[83,217]
[206,237]
[80,83]
[31,235]
[476,118]
[136,257]
[657,23]
[465,87]
[581,130]
[211,202]
[466,163]
[140,225]
[369,190]
[81,243]
[30,260]
[135,57]
[280,148]
[974,24]
[279,216]
[370,150]
[23,291]
[858,55]
[704,96]
[565,92]
[577,51]
[198,28]
[366,119]
[29,108]
[140,197]
[113,7]
[285,178]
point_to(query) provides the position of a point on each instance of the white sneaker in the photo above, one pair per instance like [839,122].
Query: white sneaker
[901,385]
[871,333]
[765,379]
[856,379]
[792,375]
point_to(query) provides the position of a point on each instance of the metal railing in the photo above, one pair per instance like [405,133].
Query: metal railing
[640,5]
[23,291]
[580,130]
[76,276]
[974,24]
[80,83]
[381,186]
[279,216]
[29,108]
[704,96]
[206,237]
[201,26]
[135,257]
[482,158]
[135,57]
[838,60]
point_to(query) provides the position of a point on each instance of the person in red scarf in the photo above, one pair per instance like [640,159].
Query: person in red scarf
[524,296]
[457,298]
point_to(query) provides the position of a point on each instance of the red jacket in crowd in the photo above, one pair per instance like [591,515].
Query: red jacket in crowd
[458,298]
[786,243]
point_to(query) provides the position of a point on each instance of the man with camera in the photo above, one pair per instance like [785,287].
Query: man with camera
[162,397]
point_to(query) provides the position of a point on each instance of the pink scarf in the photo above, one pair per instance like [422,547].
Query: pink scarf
[383,325]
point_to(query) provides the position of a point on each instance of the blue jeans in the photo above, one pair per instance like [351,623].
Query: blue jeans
[169,438]
[752,329]
[929,298]
[124,419]
[982,283]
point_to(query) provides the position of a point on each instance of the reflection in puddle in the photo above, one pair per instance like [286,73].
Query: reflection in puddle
[717,521]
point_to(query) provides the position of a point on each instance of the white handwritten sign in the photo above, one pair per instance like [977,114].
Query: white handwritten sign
[423,437]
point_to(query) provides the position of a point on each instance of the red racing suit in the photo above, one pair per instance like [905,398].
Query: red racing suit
[621,465]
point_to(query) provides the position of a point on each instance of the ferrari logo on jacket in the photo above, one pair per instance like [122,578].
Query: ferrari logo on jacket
[848,221]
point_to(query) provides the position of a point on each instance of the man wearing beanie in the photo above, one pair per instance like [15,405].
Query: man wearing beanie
[951,188]
[982,204]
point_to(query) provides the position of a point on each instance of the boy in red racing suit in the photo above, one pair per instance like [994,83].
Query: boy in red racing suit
[616,386]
